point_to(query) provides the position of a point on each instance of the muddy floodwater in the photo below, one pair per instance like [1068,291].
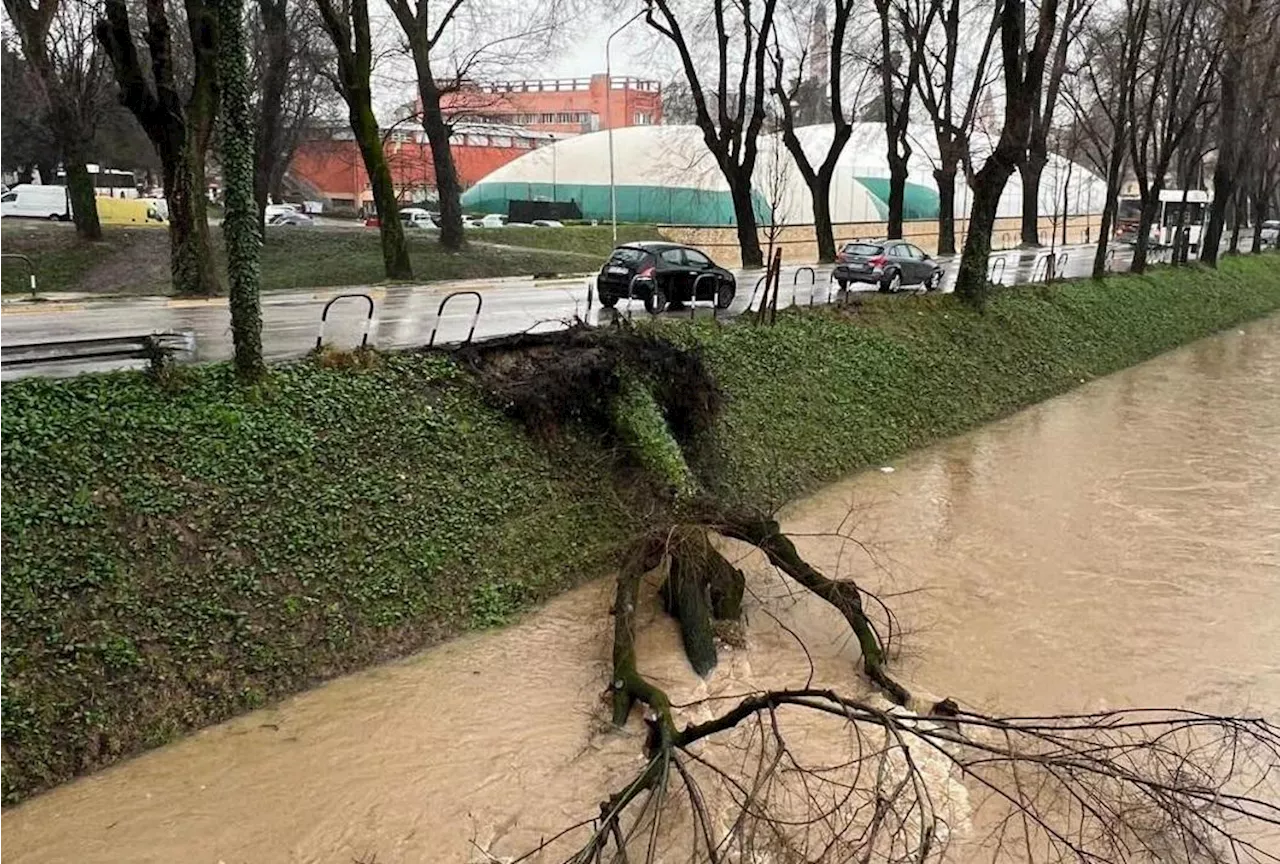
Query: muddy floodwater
[1119,545]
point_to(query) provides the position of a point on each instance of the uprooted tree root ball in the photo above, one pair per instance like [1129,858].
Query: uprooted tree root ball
[652,399]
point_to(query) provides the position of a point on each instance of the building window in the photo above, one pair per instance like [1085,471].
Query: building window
[523,144]
[501,140]
[477,140]
[643,119]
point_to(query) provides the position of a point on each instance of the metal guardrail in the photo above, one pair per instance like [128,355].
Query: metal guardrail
[435,326]
[996,270]
[693,296]
[324,315]
[31,268]
[795,281]
[153,347]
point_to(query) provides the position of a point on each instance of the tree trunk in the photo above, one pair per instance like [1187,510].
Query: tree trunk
[1259,214]
[945,176]
[242,223]
[80,195]
[971,281]
[897,192]
[823,232]
[744,214]
[1238,219]
[1031,170]
[275,79]
[1115,165]
[448,187]
[1150,209]
[48,168]
[190,253]
[395,252]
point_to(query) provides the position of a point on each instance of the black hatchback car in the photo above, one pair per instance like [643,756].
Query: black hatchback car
[662,273]
[889,264]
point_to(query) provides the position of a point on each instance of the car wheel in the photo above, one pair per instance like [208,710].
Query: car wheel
[725,292]
[54,217]
[608,301]
[656,300]
[843,283]
[894,285]
[935,281]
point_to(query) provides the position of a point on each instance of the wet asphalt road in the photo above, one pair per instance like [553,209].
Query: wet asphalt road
[405,315]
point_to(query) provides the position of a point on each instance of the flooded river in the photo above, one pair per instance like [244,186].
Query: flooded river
[1118,545]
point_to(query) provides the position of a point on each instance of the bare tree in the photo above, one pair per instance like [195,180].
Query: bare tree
[28,142]
[742,778]
[1112,82]
[347,23]
[72,80]
[1180,63]
[178,117]
[1032,168]
[818,179]
[451,43]
[909,21]
[288,57]
[741,31]
[1023,74]
[1241,36]
[942,79]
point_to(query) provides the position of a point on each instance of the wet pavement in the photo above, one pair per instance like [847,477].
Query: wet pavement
[405,315]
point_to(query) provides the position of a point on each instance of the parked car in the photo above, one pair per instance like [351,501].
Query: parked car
[416,217]
[662,273]
[301,220]
[888,264]
[490,220]
[274,210]
[36,202]
[1271,233]
[547,223]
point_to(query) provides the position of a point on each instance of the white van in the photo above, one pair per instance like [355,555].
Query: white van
[36,202]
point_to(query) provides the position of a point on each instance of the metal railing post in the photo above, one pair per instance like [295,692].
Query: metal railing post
[475,316]
[31,269]
[324,315]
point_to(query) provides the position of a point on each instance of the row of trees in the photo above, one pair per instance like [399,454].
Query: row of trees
[1149,90]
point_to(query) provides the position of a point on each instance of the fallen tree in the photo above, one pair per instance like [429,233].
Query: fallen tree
[1144,785]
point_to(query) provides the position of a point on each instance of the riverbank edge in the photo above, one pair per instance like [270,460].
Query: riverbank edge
[178,553]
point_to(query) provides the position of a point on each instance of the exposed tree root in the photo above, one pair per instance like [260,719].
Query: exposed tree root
[701,585]
[766,535]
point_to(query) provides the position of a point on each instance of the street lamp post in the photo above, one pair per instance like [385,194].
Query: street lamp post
[608,118]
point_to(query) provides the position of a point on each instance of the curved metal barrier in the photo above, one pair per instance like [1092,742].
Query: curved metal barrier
[693,297]
[1109,259]
[996,270]
[1060,266]
[324,315]
[795,281]
[831,279]
[31,268]
[435,325]
[1042,269]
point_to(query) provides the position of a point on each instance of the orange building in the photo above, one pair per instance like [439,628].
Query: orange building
[565,106]
[327,165]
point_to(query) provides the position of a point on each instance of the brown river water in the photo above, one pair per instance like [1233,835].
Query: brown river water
[1118,545]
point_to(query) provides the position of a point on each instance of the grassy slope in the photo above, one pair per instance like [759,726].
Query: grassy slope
[174,556]
[136,260]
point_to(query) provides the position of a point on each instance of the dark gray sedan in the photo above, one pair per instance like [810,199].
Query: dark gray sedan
[888,264]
